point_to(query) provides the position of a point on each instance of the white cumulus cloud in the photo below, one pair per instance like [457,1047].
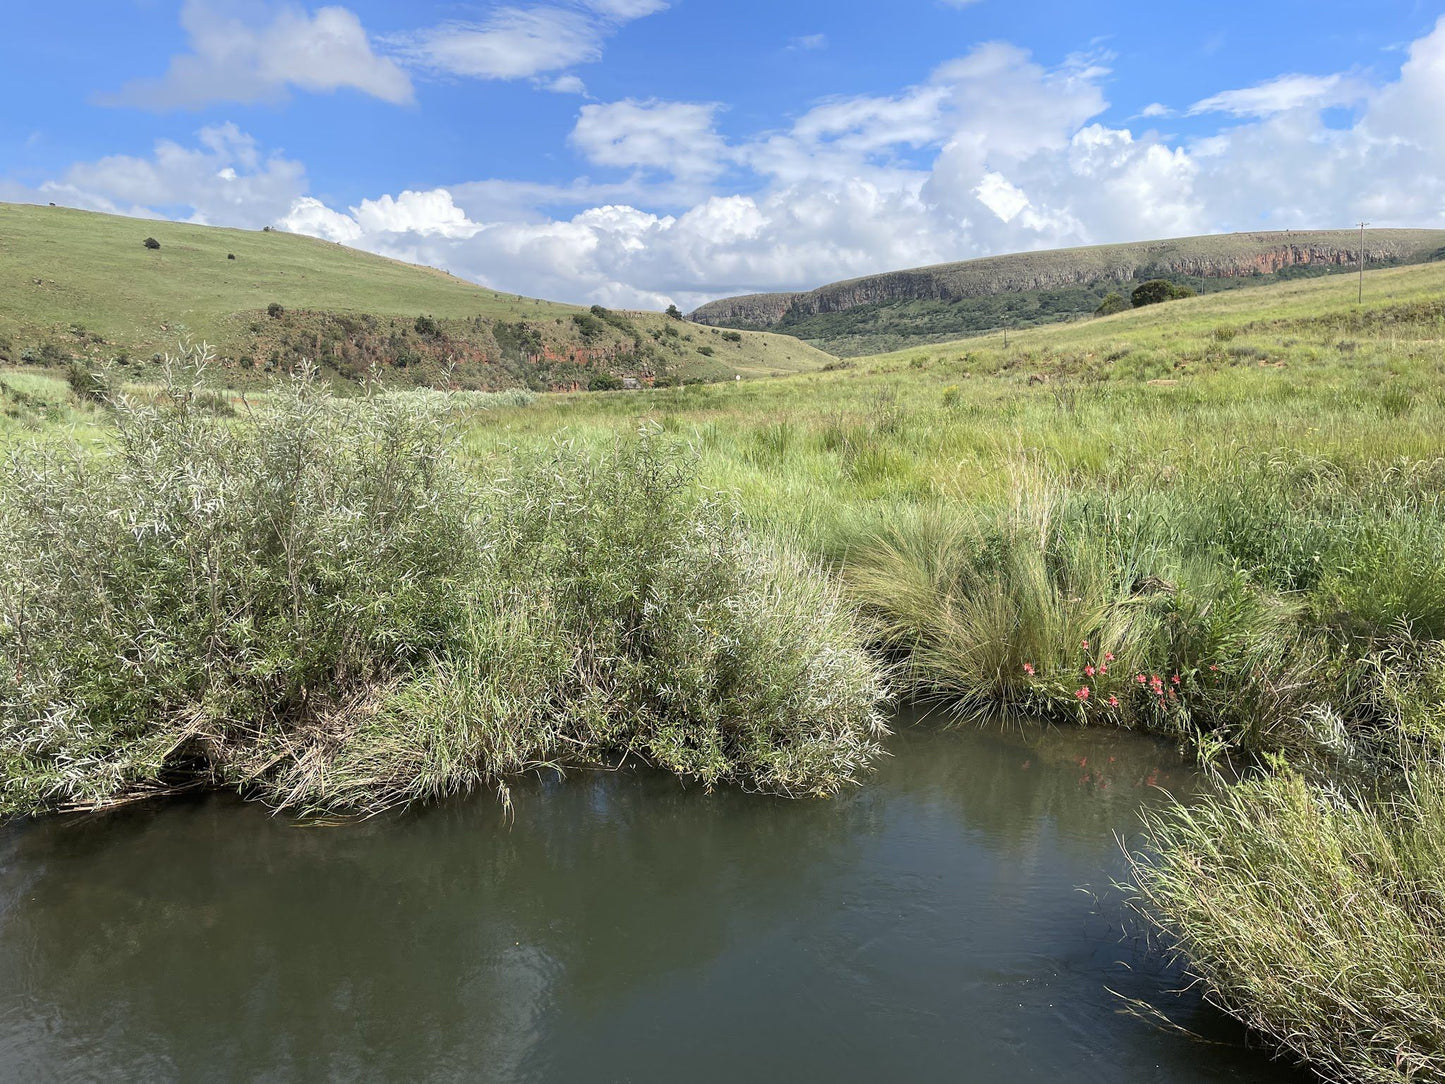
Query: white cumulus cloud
[670,137]
[993,152]
[235,57]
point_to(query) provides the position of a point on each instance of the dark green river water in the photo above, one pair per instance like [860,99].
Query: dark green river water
[950,921]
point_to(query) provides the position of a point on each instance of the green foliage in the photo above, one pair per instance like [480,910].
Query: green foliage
[427,327]
[517,340]
[673,312]
[320,607]
[151,243]
[604,382]
[1314,915]
[88,383]
[1156,290]
[1113,302]
[275,310]
[1074,609]
[590,325]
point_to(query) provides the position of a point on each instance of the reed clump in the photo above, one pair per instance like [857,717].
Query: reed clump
[1315,914]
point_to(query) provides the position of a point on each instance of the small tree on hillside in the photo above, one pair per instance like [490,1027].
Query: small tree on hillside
[1113,302]
[151,242]
[674,312]
[1157,290]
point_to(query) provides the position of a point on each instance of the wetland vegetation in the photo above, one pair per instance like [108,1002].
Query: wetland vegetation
[1217,519]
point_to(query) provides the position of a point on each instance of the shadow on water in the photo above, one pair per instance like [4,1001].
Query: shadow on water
[927,926]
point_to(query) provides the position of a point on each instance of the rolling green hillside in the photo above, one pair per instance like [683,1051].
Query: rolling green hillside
[79,285]
[949,301]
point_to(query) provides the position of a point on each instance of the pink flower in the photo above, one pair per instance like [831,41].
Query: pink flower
[1029,669]
[1085,644]
[1113,701]
[1103,669]
[1212,667]
[1089,670]
[1083,694]
[1175,679]
[1140,679]
[1108,656]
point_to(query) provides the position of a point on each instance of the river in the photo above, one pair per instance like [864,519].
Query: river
[951,920]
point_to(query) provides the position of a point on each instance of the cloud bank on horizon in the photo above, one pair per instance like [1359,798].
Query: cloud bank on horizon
[992,150]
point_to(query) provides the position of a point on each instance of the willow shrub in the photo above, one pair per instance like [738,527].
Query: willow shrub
[317,605]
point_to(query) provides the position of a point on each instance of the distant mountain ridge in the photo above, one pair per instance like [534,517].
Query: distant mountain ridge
[903,307]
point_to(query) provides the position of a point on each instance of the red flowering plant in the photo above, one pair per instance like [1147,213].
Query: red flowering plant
[1095,688]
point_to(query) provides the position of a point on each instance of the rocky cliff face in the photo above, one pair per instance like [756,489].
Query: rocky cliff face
[1226,256]
[749,310]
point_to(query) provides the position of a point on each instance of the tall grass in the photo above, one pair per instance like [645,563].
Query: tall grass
[320,606]
[1315,915]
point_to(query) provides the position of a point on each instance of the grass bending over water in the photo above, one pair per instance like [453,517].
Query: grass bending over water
[1315,915]
[318,606]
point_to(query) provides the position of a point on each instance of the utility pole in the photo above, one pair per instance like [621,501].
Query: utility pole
[1361,299]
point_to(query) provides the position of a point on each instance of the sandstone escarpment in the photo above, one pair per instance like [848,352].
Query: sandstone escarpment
[1222,256]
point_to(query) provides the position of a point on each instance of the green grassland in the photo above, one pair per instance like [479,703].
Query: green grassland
[1219,519]
[74,284]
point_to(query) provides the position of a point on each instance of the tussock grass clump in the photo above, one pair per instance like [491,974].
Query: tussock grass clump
[1314,915]
[1091,609]
[317,605]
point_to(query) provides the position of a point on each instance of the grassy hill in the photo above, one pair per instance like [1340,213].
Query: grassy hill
[74,284]
[934,304]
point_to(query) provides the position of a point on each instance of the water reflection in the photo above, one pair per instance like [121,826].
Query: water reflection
[927,926]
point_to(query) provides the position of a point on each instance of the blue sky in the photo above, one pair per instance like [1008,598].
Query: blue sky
[637,152]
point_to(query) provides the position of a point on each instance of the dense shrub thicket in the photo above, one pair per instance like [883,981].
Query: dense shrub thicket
[318,606]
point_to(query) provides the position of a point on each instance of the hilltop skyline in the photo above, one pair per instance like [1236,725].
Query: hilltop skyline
[638,153]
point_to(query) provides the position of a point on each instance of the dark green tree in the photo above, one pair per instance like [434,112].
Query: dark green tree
[1157,290]
[1113,302]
